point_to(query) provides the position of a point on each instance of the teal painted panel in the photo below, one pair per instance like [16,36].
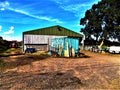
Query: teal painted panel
[56,43]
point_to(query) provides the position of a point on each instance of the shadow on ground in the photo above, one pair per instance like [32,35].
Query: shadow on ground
[80,55]
[14,61]
[48,80]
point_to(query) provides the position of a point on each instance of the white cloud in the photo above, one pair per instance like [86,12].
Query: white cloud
[11,31]
[12,37]
[7,38]
[0,28]
[78,25]
[4,5]
[2,9]
[49,19]
[69,6]
[75,7]
[37,17]
[61,1]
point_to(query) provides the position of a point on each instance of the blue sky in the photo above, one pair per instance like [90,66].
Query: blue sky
[17,16]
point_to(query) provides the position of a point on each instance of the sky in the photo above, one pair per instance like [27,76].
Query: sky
[17,16]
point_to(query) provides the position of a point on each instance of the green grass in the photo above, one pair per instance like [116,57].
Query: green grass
[114,84]
[1,64]
[38,56]
[2,50]
[9,50]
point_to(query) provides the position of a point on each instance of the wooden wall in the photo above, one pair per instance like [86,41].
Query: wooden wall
[38,47]
[40,42]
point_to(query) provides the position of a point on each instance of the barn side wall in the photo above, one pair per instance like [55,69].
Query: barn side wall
[39,42]
[38,47]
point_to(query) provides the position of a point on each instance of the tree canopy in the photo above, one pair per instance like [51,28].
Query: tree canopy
[1,38]
[102,21]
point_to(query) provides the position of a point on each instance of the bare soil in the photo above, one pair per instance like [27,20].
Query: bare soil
[41,72]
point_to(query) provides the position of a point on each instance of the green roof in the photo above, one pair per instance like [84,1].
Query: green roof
[54,30]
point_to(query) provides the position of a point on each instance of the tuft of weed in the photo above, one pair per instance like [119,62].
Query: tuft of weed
[1,64]
[9,50]
[115,84]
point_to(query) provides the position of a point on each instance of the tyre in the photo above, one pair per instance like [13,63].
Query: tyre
[113,52]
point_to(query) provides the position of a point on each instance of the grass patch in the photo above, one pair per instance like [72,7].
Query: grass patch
[115,84]
[26,59]
[38,55]
[9,50]
[1,64]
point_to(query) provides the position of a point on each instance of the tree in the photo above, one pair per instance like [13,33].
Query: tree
[102,21]
[1,38]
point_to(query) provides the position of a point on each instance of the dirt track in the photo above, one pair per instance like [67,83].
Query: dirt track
[97,71]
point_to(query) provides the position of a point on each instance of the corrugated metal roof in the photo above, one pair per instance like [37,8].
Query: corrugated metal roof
[54,30]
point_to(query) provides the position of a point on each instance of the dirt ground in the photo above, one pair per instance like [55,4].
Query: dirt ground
[94,71]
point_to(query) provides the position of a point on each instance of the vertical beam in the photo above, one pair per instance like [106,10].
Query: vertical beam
[23,41]
[83,42]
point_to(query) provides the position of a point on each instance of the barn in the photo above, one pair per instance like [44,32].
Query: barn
[41,39]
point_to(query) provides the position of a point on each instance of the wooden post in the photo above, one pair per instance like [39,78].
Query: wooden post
[83,44]
[23,42]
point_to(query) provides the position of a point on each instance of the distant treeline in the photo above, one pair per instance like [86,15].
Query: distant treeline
[106,42]
[4,44]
